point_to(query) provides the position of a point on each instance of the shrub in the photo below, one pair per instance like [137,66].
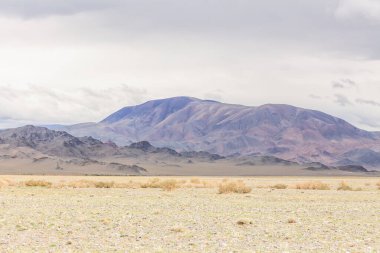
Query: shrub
[195,181]
[291,221]
[102,184]
[378,185]
[37,183]
[279,186]
[316,185]
[5,183]
[152,183]
[177,229]
[169,185]
[234,187]
[343,186]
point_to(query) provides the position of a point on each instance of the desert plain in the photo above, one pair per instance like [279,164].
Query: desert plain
[189,214]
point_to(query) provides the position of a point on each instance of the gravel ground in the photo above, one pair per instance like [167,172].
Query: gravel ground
[34,219]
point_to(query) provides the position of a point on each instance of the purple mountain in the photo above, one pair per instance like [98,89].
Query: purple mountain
[188,124]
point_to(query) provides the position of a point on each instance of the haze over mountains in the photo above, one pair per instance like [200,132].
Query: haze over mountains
[284,131]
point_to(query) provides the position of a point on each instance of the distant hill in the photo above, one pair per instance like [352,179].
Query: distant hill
[38,150]
[190,124]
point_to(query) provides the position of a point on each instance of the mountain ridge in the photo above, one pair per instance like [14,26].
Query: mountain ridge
[191,124]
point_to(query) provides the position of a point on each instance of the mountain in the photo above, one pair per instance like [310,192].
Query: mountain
[38,150]
[191,124]
[56,143]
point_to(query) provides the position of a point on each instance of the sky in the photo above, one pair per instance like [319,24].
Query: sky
[75,61]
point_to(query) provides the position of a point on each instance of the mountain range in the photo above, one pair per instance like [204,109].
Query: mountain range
[38,150]
[189,124]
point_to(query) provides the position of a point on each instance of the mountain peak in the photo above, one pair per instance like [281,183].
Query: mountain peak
[161,108]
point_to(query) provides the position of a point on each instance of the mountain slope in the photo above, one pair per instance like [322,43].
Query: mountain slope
[190,124]
[56,143]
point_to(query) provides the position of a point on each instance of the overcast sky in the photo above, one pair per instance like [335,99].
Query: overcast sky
[79,60]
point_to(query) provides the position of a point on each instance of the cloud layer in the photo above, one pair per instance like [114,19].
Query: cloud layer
[65,61]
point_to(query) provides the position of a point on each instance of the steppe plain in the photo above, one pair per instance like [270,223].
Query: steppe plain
[75,214]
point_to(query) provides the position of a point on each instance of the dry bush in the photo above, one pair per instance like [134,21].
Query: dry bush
[195,181]
[234,187]
[169,184]
[166,185]
[5,183]
[343,186]
[37,183]
[82,184]
[152,183]
[279,186]
[291,221]
[378,185]
[177,229]
[313,185]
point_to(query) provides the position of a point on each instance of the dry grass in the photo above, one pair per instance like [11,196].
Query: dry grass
[313,185]
[152,183]
[37,183]
[195,181]
[234,187]
[279,186]
[343,186]
[32,219]
[170,184]
[5,183]
[177,229]
[90,184]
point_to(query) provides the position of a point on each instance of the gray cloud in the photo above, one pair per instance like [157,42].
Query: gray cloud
[313,96]
[76,50]
[367,102]
[326,24]
[342,100]
[49,105]
[44,8]
[344,83]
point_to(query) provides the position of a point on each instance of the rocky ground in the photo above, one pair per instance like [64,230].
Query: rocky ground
[41,219]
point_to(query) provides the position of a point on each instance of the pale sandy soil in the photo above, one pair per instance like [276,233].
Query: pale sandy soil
[35,219]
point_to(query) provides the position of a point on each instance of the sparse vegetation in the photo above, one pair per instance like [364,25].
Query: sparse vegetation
[5,182]
[378,185]
[37,183]
[234,187]
[177,229]
[169,185]
[343,186]
[279,186]
[184,220]
[195,181]
[152,183]
[313,185]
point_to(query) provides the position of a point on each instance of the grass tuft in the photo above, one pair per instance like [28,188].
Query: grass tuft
[169,185]
[279,186]
[313,185]
[343,186]
[234,187]
[37,183]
